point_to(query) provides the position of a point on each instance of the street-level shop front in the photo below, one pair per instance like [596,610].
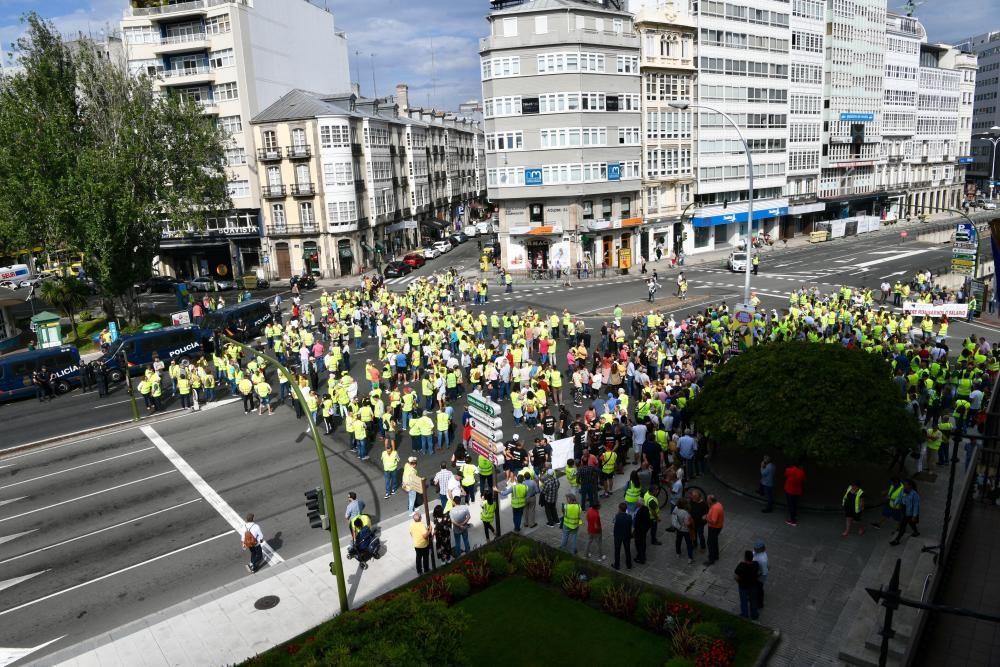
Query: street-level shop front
[716,229]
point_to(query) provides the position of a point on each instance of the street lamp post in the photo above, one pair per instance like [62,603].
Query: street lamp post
[993,136]
[746,149]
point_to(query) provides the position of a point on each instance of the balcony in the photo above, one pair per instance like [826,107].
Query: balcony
[154,8]
[303,189]
[402,152]
[187,75]
[185,42]
[302,152]
[269,154]
[291,230]
[272,191]
[355,149]
[392,149]
[404,181]
[359,185]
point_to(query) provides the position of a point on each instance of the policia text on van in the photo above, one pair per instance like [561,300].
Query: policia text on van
[17,369]
[180,343]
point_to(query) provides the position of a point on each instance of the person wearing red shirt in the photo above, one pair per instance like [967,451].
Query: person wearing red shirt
[794,477]
[594,530]
[716,520]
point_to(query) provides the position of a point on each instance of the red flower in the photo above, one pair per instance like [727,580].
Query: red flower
[292,648]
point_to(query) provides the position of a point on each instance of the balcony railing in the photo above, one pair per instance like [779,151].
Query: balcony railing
[156,8]
[273,191]
[280,229]
[303,190]
[298,152]
[268,154]
[182,72]
[186,38]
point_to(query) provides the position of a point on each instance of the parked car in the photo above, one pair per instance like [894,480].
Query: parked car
[430,253]
[470,231]
[164,284]
[986,204]
[202,284]
[396,269]
[307,281]
[442,246]
[415,260]
[224,284]
[737,261]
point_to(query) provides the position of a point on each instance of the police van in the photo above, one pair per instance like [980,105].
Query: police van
[16,370]
[182,343]
[256,314]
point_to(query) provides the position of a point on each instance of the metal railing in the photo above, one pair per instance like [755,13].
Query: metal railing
[183,39]
[303,189]
[180,7]
[181,72]
[273,190]
[298,152]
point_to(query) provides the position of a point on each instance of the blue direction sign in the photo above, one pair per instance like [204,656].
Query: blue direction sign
[857,117]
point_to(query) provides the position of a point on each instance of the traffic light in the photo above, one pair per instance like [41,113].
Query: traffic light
[315,509]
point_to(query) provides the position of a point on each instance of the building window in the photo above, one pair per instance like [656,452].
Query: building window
[342,212]
[274,177]
[222,58]
[338,173]
[306,214]
[238,188]
[536,212]
[588,210]
[628,64]
[230,124]
[541,25]
[607,205]
[299,137]
[278,215]
[629,136]
[236,156]
[334,136]
[217,25]
[227,91]
[270,140]
[626,207]
[510,27]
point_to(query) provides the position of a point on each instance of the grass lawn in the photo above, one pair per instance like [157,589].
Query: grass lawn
[566,632]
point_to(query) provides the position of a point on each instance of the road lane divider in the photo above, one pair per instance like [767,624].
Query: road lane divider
[93,532]
[207,492]
[84,465]
[30,603]
[10,538]
[7,583]
[88,495]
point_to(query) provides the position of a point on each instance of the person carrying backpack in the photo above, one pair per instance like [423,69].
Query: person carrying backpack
[253,541]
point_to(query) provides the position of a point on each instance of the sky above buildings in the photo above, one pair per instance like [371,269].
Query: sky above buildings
[432,45]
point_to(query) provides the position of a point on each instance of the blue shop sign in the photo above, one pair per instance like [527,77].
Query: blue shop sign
[730,218]
[532,176]
[857,117]
[965,160]
[614,171]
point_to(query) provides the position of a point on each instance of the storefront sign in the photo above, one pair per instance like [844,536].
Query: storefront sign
[857,117]
[965,160]
[952,310]
[528,229]
[532,176]
[614,171]
[730,218]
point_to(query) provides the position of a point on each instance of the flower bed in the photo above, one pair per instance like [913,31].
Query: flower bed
[567,599]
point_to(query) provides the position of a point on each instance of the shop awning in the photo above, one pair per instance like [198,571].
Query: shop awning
[538,231]
[436,223]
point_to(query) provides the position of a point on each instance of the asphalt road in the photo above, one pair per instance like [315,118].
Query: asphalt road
[100,531]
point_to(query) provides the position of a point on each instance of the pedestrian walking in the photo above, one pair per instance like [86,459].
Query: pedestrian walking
[854,504]
[460,520]
[640,530]
[488,513]
[623,537]
[760,557]
[715,520]
[890,503]
[909,501]
[572,515]
[253,541]
[390,469]
[746,575]
[767,483]
[420,533]
[595,531]
[683,525]
[355,507]
[795,475]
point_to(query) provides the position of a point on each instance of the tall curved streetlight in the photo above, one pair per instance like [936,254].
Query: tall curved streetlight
[992,136]
[746,149]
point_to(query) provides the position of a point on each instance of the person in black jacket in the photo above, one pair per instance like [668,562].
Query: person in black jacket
[623,537]
[643,522]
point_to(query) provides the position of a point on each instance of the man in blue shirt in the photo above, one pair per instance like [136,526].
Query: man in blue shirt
[909,506]
[623,536]
[687,447]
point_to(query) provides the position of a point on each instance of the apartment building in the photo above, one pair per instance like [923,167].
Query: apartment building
[234,58]
[561,104]
[986,107]
[667,72]
[360,181]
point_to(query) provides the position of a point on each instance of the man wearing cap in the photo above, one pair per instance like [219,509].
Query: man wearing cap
[412,482]
[760,556]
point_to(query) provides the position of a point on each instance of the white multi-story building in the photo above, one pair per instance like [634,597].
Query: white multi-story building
[667,69]
[561,104]
[361,180]
[986,106]
[234,57]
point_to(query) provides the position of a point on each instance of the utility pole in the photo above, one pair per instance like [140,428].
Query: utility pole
[337,566]
[374,88]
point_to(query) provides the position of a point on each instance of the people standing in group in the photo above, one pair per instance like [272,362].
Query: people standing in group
[622,528]
[795,476]
[747,575]
[715,520]
[550,497]
[572,518]
[442,534]
[595,531]
[683,526]
[640,529]
[890,503]
[488,513]
[461,518]
[413,483]
[760,557]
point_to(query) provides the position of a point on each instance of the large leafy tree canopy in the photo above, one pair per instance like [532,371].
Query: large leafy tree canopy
[95,160]
[822,402]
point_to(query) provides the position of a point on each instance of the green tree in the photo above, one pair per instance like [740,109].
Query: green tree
[68,295]
[113,158]
[39,135]
[826,403]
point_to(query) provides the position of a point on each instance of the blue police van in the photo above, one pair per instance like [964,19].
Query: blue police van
[185,342]
[256,315]
[16,370]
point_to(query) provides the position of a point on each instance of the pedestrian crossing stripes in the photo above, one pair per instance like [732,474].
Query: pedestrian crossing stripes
[402,280]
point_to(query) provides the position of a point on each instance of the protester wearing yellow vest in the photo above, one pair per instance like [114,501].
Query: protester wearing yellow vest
[263,390]
[469,480]
[390,468]
[572,518]
[854,504]
[518,493]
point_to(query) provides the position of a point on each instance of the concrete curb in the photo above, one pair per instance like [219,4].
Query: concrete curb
[768,650]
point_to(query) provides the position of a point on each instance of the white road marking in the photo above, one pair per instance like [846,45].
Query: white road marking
[8,656]
[116,572]
[59,472]
[890,275]
[10,538]
[89,495]
[206,491]
[12,500]
[17,580]
[845,261]
[892,258]
[98,531]
[108,405]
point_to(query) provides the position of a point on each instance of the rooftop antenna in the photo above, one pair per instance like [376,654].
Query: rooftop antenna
[910,5]
[357,68]
[374,89]
[433,74]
